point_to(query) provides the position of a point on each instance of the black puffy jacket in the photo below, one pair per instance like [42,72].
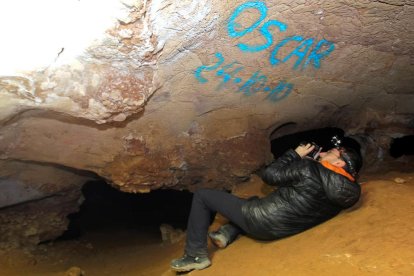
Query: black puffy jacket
[307,194]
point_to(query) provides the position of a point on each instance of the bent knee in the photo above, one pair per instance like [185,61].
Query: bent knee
[202,192]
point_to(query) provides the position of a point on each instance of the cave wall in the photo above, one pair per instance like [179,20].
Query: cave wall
[176,93]
[151,94]
[35,200]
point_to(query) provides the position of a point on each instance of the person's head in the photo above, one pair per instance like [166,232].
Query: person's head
[347,158]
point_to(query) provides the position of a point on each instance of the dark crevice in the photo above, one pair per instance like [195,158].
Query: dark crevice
[80,172]
[393,4]
[402,146]
[106,208]
[283,129]
[65,118]
[321,137]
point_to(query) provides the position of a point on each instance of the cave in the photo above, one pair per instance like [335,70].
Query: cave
[322,137]
[402,146]
[106,209]
[113,113]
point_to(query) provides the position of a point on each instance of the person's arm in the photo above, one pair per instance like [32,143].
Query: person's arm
[343,193]
[280,172]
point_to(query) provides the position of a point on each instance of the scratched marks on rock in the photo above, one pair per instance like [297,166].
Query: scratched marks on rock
[308,52]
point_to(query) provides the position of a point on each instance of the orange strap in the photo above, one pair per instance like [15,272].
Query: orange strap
[336,169]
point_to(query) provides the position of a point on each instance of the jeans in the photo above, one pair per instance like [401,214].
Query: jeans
[206,202]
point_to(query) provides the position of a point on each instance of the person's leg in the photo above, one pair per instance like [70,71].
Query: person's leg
[225,235]
[206,202]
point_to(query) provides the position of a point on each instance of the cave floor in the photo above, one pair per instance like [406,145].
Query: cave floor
[376,237]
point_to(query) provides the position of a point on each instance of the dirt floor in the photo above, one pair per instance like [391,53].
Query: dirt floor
[376,237]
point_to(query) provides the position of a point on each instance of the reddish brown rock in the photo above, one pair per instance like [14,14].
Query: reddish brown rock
[187,94]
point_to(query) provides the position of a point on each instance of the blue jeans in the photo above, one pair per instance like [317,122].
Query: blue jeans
[206,202]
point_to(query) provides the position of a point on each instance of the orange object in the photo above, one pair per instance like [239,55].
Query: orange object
[338,170]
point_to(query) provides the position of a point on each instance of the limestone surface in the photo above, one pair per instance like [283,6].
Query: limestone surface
[151,94]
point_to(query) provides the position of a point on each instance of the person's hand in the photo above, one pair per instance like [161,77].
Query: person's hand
[303,150]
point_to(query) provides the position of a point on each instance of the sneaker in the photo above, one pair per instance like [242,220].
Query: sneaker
[187,263]
[218,239]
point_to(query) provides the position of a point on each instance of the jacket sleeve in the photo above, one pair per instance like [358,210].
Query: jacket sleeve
[279,172]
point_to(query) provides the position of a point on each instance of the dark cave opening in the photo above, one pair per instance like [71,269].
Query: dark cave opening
[321,137]
[402,146]
[106,208]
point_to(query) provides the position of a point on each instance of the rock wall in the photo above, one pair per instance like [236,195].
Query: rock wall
[155,94]
[177,93]
[35,200]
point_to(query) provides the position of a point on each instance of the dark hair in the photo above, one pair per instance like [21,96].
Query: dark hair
[353,160]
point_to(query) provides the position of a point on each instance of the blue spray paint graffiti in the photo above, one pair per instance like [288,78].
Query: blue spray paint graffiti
[256,83]
[264,30]
[304,53]
[208,68]
[301,50]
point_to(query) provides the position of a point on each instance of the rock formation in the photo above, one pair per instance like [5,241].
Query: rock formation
[151,94]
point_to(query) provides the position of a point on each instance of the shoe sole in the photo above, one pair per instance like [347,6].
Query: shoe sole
[218,242]
[191,267]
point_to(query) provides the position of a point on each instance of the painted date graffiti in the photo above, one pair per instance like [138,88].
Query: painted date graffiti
[256,83]
[307,52]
